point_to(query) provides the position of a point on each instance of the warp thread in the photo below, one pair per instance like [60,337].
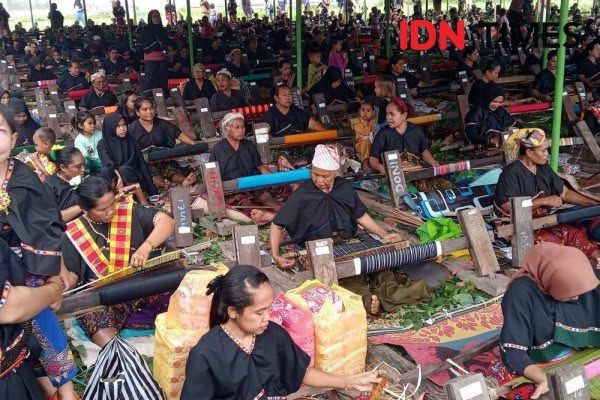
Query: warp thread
[252,110]
[445,169]
[397,258]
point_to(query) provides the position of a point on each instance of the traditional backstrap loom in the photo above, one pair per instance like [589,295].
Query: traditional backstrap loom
[252,111]
[396,258]
[162,154]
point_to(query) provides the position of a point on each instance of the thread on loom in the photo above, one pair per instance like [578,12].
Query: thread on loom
[397,258]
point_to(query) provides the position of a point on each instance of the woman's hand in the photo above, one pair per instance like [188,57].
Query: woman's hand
[540,389]
[139,258]
[553,201]
[364,382]
[391,237]
[282,262]
[66,277]
[55,280]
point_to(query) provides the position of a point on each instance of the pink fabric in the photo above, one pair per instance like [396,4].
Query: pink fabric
[337,60]
[154,56]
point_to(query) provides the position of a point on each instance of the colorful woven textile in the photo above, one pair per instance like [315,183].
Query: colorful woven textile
[448,338]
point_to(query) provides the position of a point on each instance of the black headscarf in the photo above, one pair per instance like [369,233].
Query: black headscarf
[490,92]
[341,93]
[154,36]
[28,128]
[122,150]
[123,154]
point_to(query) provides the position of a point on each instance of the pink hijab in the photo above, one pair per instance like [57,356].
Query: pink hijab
[562,272]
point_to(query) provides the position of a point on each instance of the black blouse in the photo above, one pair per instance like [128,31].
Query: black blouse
[296,120]
[92,100]
[192,92]
[141,227]
[221,102]
[481,124]
[412,141]
[235,164]
[64,195]
[544,82]
[477,92]
[218,368]
[163,134]
[588,69]
[538,328]
[311,214]
[116,68]
[67,82]
[516,180]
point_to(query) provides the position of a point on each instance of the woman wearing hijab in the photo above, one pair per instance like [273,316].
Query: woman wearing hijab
[530,175]
[154,39]
[549,308]
[26,126]
[485,121]
[332,87]
[123,160]
[38,72]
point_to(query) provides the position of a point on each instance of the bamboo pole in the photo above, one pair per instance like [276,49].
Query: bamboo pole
[388,48]
[560,80]
[31,12]
[546,17]
[298,43]
[129,36]
[134,13]
[190,35]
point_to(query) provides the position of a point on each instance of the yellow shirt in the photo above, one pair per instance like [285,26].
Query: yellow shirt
[362,136]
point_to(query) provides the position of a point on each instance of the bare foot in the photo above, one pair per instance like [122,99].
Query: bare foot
[376,308]
[261,217]
[189,180]
[283,164]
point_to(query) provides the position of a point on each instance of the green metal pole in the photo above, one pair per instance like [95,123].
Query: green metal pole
[546,17]
[190,35]
[31,12]
[85,18]
[388,44]
[560,81]
[274,11]
[299,43]
[226,12]
[447,6]
[426,8]
[128,25]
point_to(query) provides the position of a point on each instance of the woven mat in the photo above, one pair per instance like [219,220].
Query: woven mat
[448,338]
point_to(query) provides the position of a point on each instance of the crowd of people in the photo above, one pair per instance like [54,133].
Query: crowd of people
[76,212]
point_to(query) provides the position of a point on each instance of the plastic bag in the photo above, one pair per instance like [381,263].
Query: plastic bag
[340,336]
[297,322]
[180,329]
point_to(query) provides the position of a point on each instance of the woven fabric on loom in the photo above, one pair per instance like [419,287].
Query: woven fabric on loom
[445,169]
[366,242]
[435,343]
[397,258]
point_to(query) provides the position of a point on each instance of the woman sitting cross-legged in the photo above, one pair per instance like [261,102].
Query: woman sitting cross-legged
[530,175]
[103,220]
[238,157]
[123,160]
[245,356]
[549,308]
[151,131]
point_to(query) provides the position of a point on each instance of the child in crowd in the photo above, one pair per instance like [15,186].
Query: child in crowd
[87,140]
[315,69]
[385,90]
[43,139]
[363,127]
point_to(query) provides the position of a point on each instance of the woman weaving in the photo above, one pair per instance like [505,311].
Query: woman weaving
[244,356]
[530,175]
[286,118]
[31,225]
[325,206]
[151,131]
[238,157]
[485,121]
[549,308]
[109,250]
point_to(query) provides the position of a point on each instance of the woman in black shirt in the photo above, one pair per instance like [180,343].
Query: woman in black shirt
[200,86]
[286,118]
[543,87]
[589,68]
[485,121]
[70,164]
[399,135]
[226,98]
